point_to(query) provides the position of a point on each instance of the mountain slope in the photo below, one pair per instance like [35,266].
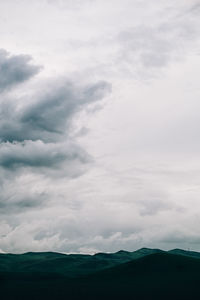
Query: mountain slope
[185,253]
[72,265]
[154,276]
[143,274]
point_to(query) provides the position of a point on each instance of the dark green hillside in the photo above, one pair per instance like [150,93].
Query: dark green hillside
[72,265]
[156,276]
[144,274]
[185,253]
[163,263]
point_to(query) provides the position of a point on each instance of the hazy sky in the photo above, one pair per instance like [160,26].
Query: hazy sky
[99,125]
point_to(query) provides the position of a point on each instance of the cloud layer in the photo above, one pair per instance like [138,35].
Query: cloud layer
[15,69]
[75,179]
[36,131]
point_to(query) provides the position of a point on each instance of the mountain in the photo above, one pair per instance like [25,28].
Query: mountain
[143,274]
[72,265]
[155,276]
[185,253]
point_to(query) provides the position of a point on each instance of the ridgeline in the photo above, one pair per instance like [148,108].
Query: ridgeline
[142,274]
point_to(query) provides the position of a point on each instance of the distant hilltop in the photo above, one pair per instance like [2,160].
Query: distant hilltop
[142,274]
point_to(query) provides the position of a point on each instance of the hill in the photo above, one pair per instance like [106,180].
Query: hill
[72,265]
[143,274]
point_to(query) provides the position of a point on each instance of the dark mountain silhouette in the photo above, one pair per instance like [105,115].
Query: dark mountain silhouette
[143,274]
[185,253]
[72,265]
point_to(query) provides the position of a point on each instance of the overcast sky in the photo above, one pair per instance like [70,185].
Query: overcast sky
[99,125]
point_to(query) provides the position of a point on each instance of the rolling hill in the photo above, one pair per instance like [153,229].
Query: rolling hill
[143,274]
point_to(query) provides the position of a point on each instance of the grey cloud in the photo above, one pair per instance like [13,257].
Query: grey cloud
[15,69]
[132,207]
[49,117]
[195,8]
[15,198]
[39,154]
[11,206]
[37,134]
[69,4]
[147,49]
[152,207]
[147,45]
[181,237]
[36,137]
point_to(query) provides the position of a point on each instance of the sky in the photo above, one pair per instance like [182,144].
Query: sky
[99,125]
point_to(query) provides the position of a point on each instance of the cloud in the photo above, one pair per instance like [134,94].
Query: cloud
[38,154]
[149,49]
[36,133]
[21,192]
[39,135]
[15,69]
[194,7]
[69,4]
[15,204]
[50,115]
[144,179]
[150,46]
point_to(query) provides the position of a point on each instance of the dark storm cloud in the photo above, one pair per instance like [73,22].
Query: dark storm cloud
[37,133]
[38,154]
[15,69]
[49,117]
[16,204]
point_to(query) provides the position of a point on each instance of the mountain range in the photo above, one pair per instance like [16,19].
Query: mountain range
[142,274]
